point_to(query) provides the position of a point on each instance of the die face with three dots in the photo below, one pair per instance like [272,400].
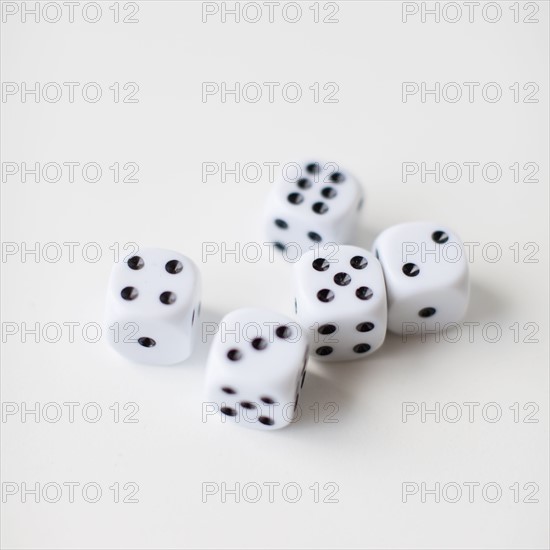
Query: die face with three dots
[256,369]
[153,305]
[426,272]
[341,302]
[320,203]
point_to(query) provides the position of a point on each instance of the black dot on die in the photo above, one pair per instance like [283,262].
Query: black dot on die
[427,312]
[361,348]
[228,411]
[135,262]
[129,293]
[167,297]
[325,295]
[283,331]
[342,279]
[337,177]
[329,328]
[315,237]
[329,192]
[247,405]
[229,390]
[365,327]
[266,421]
[313,168]
[411,270]
[146,342]
[173,267]
[364,293]
[320,208]
[267,400]
[358,262]
[281,223]
[440,237]
[279,246]
[304,183]
[259,343]
[295,198]
[320,264]
[234,355]
[324,350]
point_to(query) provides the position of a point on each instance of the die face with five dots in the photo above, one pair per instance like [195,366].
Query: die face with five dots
[341,302]
[426,272]
[256,369]
[318,203]
[153,305]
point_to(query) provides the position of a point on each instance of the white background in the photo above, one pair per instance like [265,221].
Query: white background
[368,451]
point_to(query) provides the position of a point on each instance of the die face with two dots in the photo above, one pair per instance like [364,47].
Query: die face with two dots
[426,272]
[320,205]
[341,302]
[154,301]
[256,368]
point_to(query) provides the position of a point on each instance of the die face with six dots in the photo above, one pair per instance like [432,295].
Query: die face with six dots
[153,304]
[256,369]
[426,272]
[341,302]
[318,203]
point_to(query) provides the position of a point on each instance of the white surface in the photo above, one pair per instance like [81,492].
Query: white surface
[369,452]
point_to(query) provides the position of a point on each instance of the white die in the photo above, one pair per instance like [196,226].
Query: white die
[426,272]
[153,305]
[320,205]
[341,302]
[256,369]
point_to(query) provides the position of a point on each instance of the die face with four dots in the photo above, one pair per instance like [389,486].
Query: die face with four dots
[256,369]
[153,305]
[341,302]
[426,272]
[318,204]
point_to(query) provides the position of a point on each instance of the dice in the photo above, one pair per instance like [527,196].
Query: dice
[319,205]
[426,272]
[341,302]
[153,305]
[256,369]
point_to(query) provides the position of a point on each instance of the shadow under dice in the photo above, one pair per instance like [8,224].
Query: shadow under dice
[153,305]
[426,272]
[341,303]
[319,205]
[256,368]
